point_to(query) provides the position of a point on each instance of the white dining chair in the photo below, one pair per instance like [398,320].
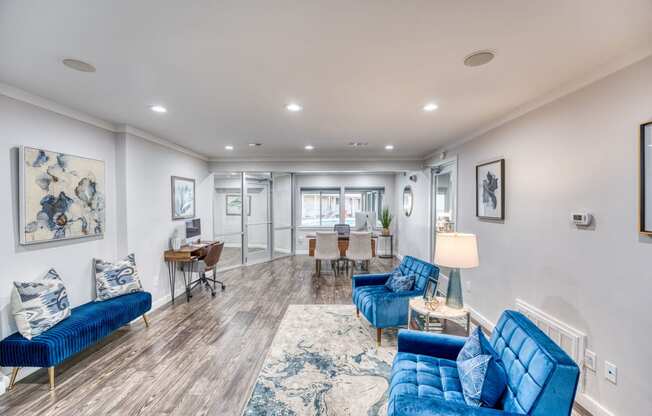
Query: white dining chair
[326,248]
[359,248]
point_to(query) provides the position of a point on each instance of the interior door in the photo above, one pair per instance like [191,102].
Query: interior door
[282,208]
[444,199]
[227,217]
[257,214]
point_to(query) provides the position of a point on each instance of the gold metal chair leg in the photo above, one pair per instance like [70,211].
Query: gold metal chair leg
[51,377]
[14,374]
[146,320]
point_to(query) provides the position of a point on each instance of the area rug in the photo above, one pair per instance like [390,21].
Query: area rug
[324,361]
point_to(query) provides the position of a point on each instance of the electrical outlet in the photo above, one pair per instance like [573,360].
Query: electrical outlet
[590,360]
[611,372]
[468,286]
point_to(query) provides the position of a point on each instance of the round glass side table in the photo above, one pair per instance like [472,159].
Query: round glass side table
[433,317]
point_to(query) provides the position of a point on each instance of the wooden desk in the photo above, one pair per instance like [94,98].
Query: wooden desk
[342,243]
[189,254]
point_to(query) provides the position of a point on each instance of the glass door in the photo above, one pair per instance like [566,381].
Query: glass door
[258,219]
[444,192]
[227,217]
[282,203]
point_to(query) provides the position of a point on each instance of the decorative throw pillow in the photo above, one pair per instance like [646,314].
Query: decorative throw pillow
[481,372]
[38,306]
[116,279]
[399,283]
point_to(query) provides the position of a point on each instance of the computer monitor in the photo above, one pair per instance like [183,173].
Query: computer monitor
[193,228]
[365,220]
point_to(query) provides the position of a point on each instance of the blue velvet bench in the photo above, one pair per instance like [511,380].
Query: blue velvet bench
[541,377]
[86,325]
[382,307]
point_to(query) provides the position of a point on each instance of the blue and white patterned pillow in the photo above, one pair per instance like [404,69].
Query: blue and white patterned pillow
[116,279]
[38,306]
[482,375]
[399,283]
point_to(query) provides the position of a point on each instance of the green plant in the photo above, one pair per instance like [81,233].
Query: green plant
[386,218]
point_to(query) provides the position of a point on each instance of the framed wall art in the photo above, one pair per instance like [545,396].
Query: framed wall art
[183,198]
[61,196]
[645,179]
[490,190]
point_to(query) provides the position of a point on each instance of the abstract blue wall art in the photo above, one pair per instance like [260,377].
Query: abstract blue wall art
[183,198]
[61,196]
[490,190]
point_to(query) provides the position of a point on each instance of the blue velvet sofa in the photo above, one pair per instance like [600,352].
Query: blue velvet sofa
[541,377]
[86,325]
[382,307]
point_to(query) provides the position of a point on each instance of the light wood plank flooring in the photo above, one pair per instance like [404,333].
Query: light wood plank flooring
[200,358]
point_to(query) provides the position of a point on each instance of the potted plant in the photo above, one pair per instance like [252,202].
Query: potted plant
[386,220]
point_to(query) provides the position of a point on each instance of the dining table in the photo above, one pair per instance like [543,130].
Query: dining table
[342,243]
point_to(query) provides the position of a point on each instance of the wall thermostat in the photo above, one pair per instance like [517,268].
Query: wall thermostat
[581,219]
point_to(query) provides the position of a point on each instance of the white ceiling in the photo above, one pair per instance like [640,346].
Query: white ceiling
[361,69]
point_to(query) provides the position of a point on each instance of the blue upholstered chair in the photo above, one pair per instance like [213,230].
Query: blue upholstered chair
[382,307]
[541,377]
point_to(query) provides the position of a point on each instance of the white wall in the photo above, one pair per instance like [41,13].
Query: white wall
[24,124]
[413,232]
[578,153]
[149,224]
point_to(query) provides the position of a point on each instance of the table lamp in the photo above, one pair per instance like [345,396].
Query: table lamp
[457,251]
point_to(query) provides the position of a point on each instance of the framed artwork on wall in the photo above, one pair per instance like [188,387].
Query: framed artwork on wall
[183,198]
[234,203]
[490,190]
[61,196]
[645,179]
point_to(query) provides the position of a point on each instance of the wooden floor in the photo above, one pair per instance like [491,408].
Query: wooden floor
[200,358]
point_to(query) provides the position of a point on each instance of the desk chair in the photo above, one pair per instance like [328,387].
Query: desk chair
[208,264]
[326,248]
[359,248]
[342,230]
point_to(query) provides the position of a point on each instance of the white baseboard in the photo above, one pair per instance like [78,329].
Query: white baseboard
[592,406]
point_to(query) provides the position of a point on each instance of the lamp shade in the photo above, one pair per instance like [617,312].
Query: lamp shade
[456,250]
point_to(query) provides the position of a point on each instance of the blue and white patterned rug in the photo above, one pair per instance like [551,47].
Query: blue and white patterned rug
[324,361]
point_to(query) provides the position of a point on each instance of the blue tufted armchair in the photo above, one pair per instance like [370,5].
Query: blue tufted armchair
[382,307]
[541,377]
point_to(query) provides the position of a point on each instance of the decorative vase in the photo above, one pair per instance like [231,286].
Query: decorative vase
[385,231]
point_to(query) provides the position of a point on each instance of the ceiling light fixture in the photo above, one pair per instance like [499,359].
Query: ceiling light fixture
[229,147]
[158,109]
[479,58]
[430,107]
[389,147]
[309,147]
[255,144]
[293,107]
[358,144]
[78,65]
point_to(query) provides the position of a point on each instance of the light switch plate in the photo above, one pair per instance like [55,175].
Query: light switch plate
[611,372]
[590,360]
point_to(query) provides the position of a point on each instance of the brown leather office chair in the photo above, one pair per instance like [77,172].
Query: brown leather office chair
[208,264]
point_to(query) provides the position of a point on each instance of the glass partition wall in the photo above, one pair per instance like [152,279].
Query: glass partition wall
[252,214]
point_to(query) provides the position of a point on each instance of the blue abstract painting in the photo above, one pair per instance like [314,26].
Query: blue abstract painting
[62,196]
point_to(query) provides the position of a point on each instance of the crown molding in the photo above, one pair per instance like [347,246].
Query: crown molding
[54,107]
[46,104]
[308,160]
[603,71]
[127,129]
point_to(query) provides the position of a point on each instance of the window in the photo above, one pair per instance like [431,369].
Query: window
[365,200]
[320,207]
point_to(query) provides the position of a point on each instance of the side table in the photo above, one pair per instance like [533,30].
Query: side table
[440,314]
[391,246]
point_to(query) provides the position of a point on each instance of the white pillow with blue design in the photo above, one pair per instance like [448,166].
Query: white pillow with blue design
[116,279]
[482,375]
[397,282]
[38,306]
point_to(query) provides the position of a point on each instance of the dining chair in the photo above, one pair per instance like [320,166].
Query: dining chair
[326,248]
[359,248]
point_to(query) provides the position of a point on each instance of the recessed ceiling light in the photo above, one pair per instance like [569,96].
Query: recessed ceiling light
[78,65]
[430,107]
[158,109]
[479,58]
[255,144]
[228,147]
[294,107]
[309,147]
[389,147]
